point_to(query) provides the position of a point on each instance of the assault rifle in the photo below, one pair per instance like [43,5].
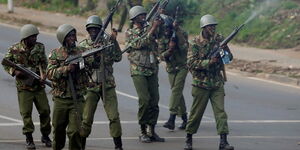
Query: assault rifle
[30,74]
[173,37]
[218,50]
[107,21]
[74,59]
[154,12]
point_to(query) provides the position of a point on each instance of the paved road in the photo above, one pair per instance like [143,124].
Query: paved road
[262,115]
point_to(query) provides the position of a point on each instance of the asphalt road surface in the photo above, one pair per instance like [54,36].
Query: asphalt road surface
[263,115]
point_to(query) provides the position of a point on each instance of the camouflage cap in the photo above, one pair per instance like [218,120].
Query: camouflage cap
[28,30]
[93,21]
[63,31]
[135,11]
[207,20]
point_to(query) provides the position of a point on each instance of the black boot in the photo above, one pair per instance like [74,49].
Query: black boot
[118,143]
[29,141]
[184,122]
[45,139]
[83,143]
[224,145]
[153,136]
[170,124]
[188,142]
[144,138]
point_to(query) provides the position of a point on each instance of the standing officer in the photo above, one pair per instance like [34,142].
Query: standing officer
[208,82]
[173,45]
[144,71]
[94,91]
[67,109]
[31,54]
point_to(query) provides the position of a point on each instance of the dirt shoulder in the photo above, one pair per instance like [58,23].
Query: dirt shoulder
[284,64]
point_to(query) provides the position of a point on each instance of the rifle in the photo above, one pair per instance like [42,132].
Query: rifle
[219,52]
[106,22]
[31,75]
[74,59]
[173,37]
[153,14]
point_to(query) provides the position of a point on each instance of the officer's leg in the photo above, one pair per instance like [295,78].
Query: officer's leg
[200,101]
[141,86]
[111,109]
[25,99]
[217,100]
[25,104]
[59,123]
[42,105]
[153,110]
[89,110]
[75,114]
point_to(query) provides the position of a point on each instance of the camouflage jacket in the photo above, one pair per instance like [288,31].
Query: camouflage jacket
[177,59]
[30,59]
[205,75]
[111,56]
[143,53]
[58,73]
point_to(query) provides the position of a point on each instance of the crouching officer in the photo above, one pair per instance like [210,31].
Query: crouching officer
[94,91]
[30,54]
[144,71]
[208,82]
[67,105]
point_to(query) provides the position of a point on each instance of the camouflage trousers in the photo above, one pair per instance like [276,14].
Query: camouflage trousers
[26,100]
[110,107]
[147,91]
[65,121]
[177,102]
[201,98]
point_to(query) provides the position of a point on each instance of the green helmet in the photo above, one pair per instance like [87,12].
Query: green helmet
[28,30]
[63,31]
[93,21]
[207,20]
[135,11]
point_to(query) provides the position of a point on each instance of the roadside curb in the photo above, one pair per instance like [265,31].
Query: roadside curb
[272,77]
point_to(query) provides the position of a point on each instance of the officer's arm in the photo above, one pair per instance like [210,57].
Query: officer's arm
[117,53]
[54,70]
[9,56]
[195,60]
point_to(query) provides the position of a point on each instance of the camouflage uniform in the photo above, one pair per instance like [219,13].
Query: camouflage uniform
[144,72]
[94,91]
[177,70]
[29,94]
[65,111]
[207,84]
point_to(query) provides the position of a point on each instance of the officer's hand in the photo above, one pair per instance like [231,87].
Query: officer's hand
[72,67]
[213,60]
[43,78]
[114,34]
[19,74]
[175,25]
[172,45]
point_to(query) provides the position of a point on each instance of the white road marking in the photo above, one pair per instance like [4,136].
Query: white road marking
[11,119]
[160,105]
[265,80]
[172,137]
[163,121]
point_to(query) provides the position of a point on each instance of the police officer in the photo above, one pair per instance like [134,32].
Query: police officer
[67,105]
[173,46]
[94,91]
[31,54]
[144,71]
[208,82]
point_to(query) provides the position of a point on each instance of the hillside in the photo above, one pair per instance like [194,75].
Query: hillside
[276,25]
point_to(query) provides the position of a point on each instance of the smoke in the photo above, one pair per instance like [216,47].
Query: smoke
[263,7]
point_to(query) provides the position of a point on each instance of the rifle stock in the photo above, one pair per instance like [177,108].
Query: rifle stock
[27,71]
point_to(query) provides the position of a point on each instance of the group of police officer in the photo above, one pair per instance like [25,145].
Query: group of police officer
[147,45]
